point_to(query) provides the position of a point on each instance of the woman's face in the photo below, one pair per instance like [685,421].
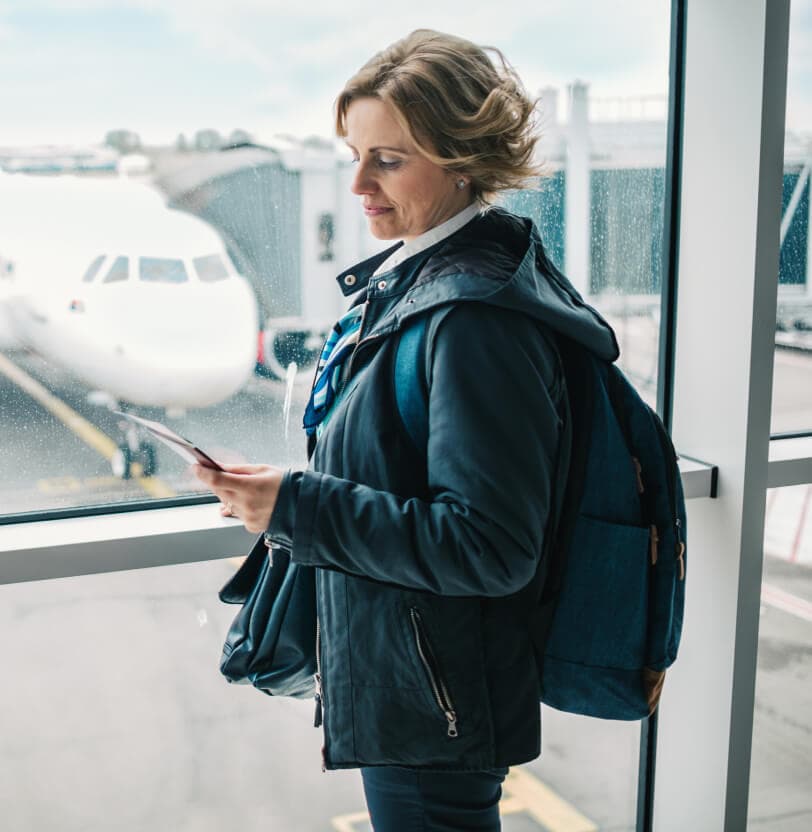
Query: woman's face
[403,193]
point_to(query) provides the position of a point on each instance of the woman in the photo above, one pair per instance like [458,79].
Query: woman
[429,557]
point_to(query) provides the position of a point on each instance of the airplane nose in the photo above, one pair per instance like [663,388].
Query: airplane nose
[192,350]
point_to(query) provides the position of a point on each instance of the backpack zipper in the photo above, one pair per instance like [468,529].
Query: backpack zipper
[672,461]
[638,468]
[654,539]
[438,686]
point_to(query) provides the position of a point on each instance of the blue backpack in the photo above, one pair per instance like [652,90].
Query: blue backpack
[607,618]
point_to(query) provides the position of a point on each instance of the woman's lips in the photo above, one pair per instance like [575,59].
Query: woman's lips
[375,210]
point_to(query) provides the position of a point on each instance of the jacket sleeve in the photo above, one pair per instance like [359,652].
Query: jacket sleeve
[494,432]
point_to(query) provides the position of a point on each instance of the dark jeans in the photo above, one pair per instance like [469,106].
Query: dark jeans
[419,800]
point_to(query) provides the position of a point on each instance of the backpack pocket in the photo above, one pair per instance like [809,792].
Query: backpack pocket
[594,661]
[601,616]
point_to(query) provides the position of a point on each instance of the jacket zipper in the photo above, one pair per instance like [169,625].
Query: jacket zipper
[318,718]
[319,706]
[360,342]
[438,686]
[319,693]
[319,696]
[347,373]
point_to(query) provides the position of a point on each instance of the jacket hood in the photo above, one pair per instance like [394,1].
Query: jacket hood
[497,258]
[504,253]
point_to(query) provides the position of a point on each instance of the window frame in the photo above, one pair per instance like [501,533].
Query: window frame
[730,210]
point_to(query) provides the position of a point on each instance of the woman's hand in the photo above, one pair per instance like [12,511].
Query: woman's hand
[246,491]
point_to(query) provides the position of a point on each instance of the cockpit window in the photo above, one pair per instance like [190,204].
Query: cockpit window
[118,271]
[210,268]
[162,270]
[93,268]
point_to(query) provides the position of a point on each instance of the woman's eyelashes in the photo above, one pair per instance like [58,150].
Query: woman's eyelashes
[382,163]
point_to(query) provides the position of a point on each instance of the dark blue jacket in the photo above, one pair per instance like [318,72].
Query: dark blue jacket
[427,560]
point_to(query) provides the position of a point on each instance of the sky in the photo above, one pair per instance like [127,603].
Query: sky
[72,70]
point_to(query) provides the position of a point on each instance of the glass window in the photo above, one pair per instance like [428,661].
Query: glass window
[93,269]
[162,270]
[210,268]
[275,190]
[120,270]
[603,141]
[781,769]
[599,209]
[792,380]
[120,712]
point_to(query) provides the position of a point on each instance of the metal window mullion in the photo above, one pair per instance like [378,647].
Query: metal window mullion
[730,213]
[668,309]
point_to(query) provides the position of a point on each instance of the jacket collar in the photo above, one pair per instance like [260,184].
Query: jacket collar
[498,259]
[358,276]
[462,257]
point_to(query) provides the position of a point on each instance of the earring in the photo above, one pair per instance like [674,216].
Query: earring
[460,184]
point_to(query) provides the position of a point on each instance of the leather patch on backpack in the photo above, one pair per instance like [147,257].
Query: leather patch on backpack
[653,684]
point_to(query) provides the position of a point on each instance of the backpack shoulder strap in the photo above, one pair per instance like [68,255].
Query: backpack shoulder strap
[411,391]
[578,371]
[579,378]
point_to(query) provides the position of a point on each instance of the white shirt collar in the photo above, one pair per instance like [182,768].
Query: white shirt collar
[430,237]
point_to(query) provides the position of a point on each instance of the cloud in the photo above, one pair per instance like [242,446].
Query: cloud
[305,54]
[277,66]
[283,37]
[281,63]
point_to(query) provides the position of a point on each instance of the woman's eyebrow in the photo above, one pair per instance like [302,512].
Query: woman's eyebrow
[400,150]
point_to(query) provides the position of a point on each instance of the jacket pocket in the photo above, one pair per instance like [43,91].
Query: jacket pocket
[429,661]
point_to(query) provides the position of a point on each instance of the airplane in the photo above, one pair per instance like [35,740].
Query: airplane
[135,299]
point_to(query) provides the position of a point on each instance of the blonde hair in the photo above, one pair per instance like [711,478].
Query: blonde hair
[464,112]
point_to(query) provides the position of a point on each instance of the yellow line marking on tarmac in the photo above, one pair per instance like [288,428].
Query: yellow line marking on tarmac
[510,805]
[154,486]
[59,485]
[346,823]
[544,805]
[521,792]
[87,432]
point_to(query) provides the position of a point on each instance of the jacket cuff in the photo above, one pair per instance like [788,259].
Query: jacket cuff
[283,518]
[307,509]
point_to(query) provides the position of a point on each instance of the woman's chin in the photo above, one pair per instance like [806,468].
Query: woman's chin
[382,230]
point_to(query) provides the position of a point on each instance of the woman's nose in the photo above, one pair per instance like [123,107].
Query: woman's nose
[362,182]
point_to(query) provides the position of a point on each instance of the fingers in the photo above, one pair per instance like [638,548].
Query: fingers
[226,496]
[246,491]
[245,468]
[214,479]
[232,478]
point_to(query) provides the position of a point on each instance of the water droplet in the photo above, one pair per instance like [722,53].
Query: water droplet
[290,378]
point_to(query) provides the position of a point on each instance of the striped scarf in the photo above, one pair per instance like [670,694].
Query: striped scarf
[339,346]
